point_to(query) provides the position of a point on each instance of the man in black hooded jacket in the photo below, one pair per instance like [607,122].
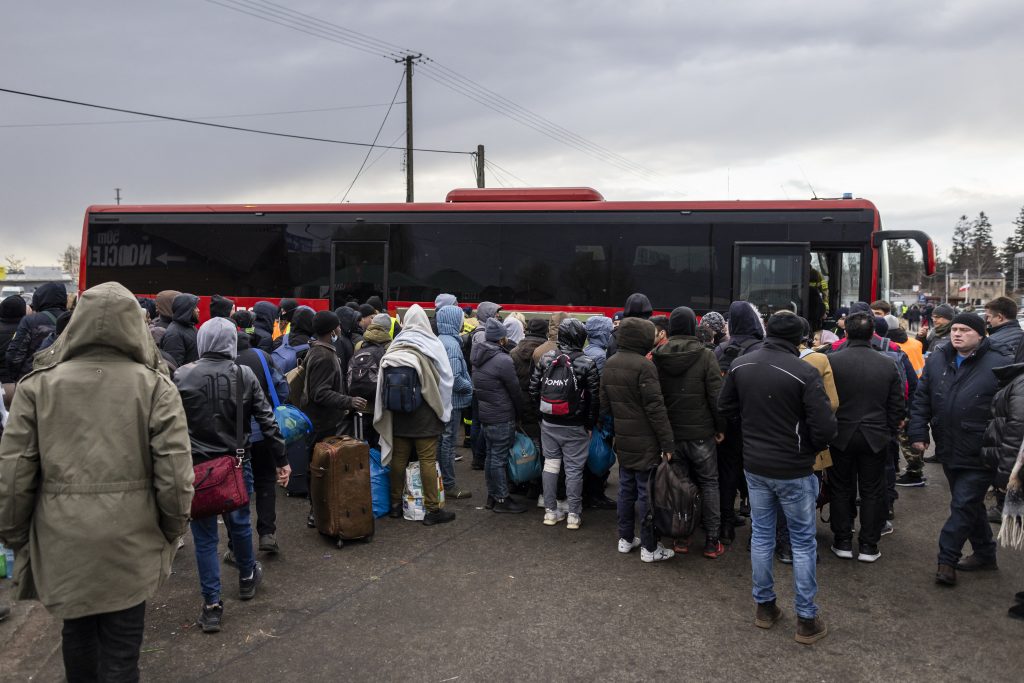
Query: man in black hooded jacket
[344,344]
[179,341]
[263,326]
[12,310]
[48,302]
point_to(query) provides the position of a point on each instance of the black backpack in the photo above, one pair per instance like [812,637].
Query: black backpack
[675,501]
[401,391]
[559,390]
[733,351]
[363,370]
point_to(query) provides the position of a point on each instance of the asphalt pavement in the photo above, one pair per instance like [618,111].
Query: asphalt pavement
[493,597]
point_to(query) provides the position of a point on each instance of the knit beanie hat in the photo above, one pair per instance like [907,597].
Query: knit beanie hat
[367,310]
[972,320]
[944,311]
[325,322]
[382,319]
[495,330]
[786,325]
[220,307]
[682,321]
[537,327]
[376,302]
[881,326]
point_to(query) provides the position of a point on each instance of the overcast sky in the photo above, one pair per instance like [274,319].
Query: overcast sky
[915,104]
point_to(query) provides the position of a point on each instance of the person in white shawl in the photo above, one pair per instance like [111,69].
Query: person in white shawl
[403,433]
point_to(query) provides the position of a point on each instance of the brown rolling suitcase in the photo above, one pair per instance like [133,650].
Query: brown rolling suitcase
[339,487]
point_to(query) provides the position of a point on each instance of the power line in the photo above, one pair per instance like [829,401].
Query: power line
[198,118]
[504,170]
[215,125]
[375,137]
[305,23]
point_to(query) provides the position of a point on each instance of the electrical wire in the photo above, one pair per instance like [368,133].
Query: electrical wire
[216,125]
[488,162]
[369,151]
[198,118]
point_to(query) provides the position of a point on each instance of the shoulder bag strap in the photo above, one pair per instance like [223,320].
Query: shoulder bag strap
[239,448]
[270,380]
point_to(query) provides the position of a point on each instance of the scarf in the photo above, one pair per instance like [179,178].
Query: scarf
[1011,533]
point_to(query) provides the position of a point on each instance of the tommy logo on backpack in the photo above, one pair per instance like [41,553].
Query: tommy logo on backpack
[559,392]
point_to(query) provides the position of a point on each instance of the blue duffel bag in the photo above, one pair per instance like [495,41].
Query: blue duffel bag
[380,484]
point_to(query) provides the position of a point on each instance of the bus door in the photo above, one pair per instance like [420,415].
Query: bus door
[358,271]
[773,276]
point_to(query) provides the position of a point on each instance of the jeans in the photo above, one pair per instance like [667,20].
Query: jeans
[426,450]
[264,474]
[206,538]
[104,647]
[634,487]
[569,445]
[967,516]
[797,498]
[702,462]
[446,449]
[497,440]
[857,467]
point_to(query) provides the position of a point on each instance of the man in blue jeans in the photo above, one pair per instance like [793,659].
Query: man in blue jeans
[787,419]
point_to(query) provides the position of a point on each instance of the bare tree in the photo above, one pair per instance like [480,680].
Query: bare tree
[69,261]
[15,264]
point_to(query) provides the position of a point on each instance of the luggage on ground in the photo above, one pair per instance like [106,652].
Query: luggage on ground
[675,501]
[298,458]
[339,489]
[413,508]
[524,462]
[601,456]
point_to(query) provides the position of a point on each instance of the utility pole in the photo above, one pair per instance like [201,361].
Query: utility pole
[408,59]
[117,195]
[480,166]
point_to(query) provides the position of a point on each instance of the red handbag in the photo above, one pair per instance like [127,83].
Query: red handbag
[220,482]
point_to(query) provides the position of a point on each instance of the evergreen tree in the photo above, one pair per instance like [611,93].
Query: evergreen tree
[984,258]
[961,245]
[1014,244]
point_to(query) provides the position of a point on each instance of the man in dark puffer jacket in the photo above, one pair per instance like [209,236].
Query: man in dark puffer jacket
[631,394]
[690,382]
[179,341]
[49,301]
[567,437]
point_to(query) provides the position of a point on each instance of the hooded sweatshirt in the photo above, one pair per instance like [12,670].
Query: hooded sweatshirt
[165,307]
[263,327]
[179,341]
[599,336]
[12,310]
[132,479]
[637,306]
[449,320]
[746,332]
[484,312]
[48,301]
[514,330]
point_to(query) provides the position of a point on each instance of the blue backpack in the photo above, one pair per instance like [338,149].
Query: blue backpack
[401,391]
[286,356]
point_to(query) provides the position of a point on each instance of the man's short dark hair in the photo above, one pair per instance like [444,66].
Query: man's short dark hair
[1004,306]
[881,306]
[661,322]
[860,326]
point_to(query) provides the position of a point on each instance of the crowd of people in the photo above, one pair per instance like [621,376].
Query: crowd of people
[759,410]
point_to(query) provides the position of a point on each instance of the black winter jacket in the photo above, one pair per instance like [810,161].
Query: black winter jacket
[1006,338]
[631,394]
[324,400]
[495,386]
[571,338]
[49,301]
[690,383]
[870,393]
[344,346]
[957,403]
[7,330]
[263,327]
[207,390]
[786,415]
[179,341]
[1003,437]
[522,359]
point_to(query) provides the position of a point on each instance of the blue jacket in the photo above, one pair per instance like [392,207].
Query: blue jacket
[599,336]
[957,403]
[449,326]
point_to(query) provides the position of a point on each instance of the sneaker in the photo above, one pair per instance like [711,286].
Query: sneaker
[810,631]
[744,507]
[210,616]
[247,587]
[540,501]
[229,558]
[910,480]
[573,522]
[553,517]
[457,458]
[489,505]
[843,549]
[713,548]
[681,546]
[625,546]
[868,553]
[767,614]
[995,515]
[508,505]
[976,564]
[268,544]
[946,575]
[784,553]
[657,555]
[887,529]
[457,493]
[440,516]
[601,502]
[1016,612]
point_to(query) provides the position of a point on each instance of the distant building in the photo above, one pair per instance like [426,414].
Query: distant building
[983,288]
[31,277]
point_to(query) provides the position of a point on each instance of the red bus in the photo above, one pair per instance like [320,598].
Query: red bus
[539,250]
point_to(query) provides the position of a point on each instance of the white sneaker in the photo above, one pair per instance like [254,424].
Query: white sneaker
[626,547]
[660,553]
[574,521]
[457,458]
[553,517]
[887,529]
[540,500]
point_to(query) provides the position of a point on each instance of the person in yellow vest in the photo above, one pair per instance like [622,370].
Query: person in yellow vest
[283,325]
